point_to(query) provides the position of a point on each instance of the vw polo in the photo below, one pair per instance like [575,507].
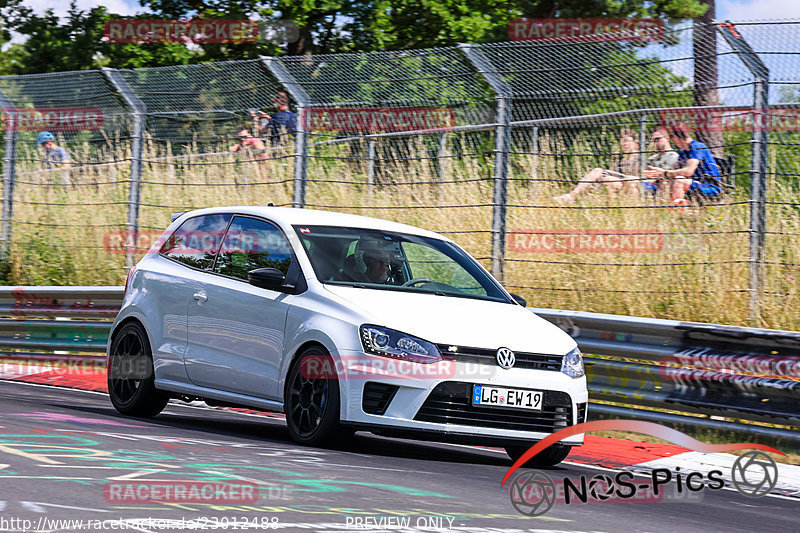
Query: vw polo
[343,323]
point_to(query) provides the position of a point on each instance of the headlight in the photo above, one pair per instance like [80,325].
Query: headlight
[387,342]
[572,364]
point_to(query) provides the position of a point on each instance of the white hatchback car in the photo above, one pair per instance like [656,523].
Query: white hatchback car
[344,323]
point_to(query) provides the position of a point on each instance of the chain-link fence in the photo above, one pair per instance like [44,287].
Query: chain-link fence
[478,142]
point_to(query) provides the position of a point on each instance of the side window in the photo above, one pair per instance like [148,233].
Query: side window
[196,242]
[251,243]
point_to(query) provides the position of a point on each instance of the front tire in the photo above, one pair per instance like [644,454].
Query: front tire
[550,456]
[131,379]
[312,402]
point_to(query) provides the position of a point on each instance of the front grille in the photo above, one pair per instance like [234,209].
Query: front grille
[377,397]
[582,412]
[451,403]
[483,356]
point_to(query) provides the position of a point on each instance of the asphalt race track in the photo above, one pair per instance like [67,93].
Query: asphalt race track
[61,449]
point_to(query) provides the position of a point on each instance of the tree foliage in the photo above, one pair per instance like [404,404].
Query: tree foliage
[324,26]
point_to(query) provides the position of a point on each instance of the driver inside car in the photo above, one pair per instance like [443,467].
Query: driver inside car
[379,264]
[371,263]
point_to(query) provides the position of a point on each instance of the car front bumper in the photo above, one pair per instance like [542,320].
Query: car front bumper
[433,401]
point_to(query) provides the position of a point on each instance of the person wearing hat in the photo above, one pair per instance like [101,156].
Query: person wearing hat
[54,156]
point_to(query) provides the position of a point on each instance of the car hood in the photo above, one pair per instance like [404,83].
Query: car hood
[457,321]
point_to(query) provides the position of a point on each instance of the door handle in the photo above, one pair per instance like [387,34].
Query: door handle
[200,296]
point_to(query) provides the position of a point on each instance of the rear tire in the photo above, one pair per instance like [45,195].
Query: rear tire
[312,404]
[131,379]
[550,456]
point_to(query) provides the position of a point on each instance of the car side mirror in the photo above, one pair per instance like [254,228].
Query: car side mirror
[519,299]
[267,278]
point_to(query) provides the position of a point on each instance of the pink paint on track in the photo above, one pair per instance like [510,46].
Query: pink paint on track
[600,451]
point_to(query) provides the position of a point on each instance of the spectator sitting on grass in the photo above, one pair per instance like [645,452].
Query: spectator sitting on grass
[697,174]
[622,179]
[664,157]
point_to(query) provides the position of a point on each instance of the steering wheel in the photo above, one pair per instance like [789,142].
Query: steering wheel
[414,281]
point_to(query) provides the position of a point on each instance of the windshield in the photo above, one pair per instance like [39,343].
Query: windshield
[382,260]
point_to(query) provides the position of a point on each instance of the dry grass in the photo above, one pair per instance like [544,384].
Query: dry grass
[701,273]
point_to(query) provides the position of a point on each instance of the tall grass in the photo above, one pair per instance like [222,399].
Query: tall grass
[62,220]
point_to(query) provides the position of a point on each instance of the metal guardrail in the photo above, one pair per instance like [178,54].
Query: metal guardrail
[56,319]
[710,370]
[68,302]
[704,372]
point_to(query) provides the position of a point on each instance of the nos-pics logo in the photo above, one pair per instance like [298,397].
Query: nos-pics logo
[533,493]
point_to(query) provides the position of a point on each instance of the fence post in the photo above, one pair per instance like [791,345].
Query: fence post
[758,194]
[441,157]
[371,164]
[9,177]
[502,136]
[535,158]
[277,69]
[759,168]
[137,141]
[642,154]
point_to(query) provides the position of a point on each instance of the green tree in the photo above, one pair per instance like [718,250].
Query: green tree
[76,43]
[10,11]
[52,46]
[327,26]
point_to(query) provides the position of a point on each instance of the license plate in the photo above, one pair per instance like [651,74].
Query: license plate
[502,397]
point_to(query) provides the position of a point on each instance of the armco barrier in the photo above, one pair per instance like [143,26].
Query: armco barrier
[698,370]
[688,367]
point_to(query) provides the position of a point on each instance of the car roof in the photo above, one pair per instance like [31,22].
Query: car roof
[289,216]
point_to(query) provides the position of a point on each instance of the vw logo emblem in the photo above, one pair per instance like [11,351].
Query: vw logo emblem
[505,358]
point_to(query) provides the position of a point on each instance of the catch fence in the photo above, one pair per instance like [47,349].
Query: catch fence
[472,141]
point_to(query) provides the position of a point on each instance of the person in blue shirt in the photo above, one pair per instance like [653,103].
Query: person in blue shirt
[697,173]
[281,122]
[54,156]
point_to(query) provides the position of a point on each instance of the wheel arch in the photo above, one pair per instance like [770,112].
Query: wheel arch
[295,354]
[119,325]
[316,341]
